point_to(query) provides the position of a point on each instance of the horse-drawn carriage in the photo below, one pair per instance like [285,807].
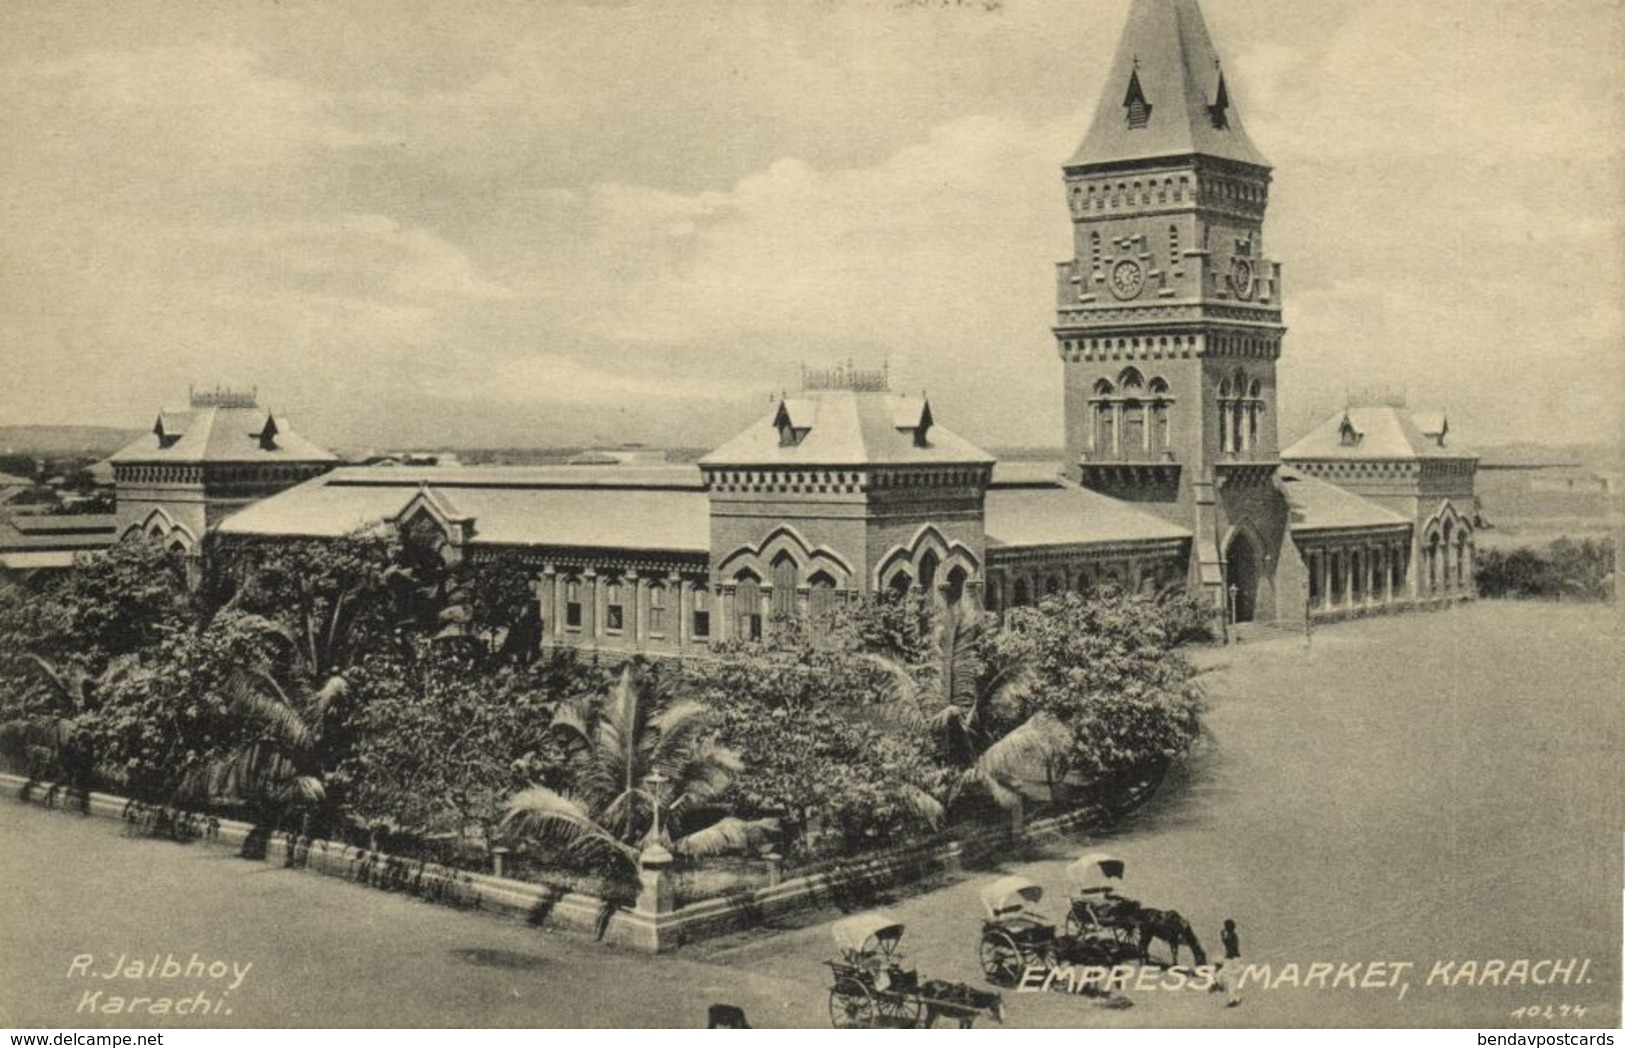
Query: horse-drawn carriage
[1098,911]
[1014,936]
[1102,927]
[873,989]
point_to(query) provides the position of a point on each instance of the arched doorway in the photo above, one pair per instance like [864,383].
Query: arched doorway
[1242,578]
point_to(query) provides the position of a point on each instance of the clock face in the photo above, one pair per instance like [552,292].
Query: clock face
[1127,279]
[1241,279]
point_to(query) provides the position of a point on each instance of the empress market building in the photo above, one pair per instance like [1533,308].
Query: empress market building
[1168,329]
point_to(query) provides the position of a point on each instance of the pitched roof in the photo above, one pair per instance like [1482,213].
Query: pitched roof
[848,428]
[1063,514]
[1319,506]
[1165,50]
[71,532]
[229,432]
[1377,432]
[565,506]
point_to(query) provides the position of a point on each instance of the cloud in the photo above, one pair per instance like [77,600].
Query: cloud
[425,220]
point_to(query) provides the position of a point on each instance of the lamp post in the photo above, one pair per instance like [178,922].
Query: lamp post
[654,853]
[655,889]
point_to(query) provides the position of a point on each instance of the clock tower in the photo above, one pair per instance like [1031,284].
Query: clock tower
[1169,312]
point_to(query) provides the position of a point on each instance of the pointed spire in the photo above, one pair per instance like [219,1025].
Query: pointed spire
[1175,100]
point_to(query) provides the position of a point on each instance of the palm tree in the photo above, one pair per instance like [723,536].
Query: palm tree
[59,733]
[617,741]
[954,696]
[283,763]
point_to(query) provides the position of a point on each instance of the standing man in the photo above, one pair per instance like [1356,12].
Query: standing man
[1228,976]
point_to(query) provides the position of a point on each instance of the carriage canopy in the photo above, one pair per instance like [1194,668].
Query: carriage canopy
[1009,895]
[1096,871]
[866,932]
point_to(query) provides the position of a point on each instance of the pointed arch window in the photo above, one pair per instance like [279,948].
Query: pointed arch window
[820,597]
[1138,109]
[748,605]
[1159,435]
[1219,111]
[786,577]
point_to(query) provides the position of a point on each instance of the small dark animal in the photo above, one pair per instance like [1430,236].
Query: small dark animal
[1172,929]
[726,1017]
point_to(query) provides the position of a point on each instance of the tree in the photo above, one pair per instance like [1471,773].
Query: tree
[114,602]
[283,759]
[440,745]
[58,728]
[1104,667]
[956,693]
[614,743]
[328,601]
[808,712]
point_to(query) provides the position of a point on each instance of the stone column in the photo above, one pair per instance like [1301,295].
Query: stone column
[593,613]
[723,628]
[637,629]
[551,602]
[679,602]
[1348,577]
[1117,428]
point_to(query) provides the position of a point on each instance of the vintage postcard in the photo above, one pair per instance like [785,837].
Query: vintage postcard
[830,513]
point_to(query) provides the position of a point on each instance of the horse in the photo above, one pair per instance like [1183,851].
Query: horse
[1172,929]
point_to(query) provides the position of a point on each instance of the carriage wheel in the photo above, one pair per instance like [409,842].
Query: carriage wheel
[850,1005]
[1001,958]
[1073,928]
[897,1011]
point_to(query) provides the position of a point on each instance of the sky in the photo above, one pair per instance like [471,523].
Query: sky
[427,224]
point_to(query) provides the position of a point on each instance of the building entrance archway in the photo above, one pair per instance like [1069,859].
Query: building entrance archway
[1243,579]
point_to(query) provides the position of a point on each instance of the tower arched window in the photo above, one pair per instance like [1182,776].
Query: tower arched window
[1105,408]
[1159,435]
[1255,407]
[1136,431]
[1225,394]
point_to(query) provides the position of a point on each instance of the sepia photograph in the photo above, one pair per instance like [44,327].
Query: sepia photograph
[811,514]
